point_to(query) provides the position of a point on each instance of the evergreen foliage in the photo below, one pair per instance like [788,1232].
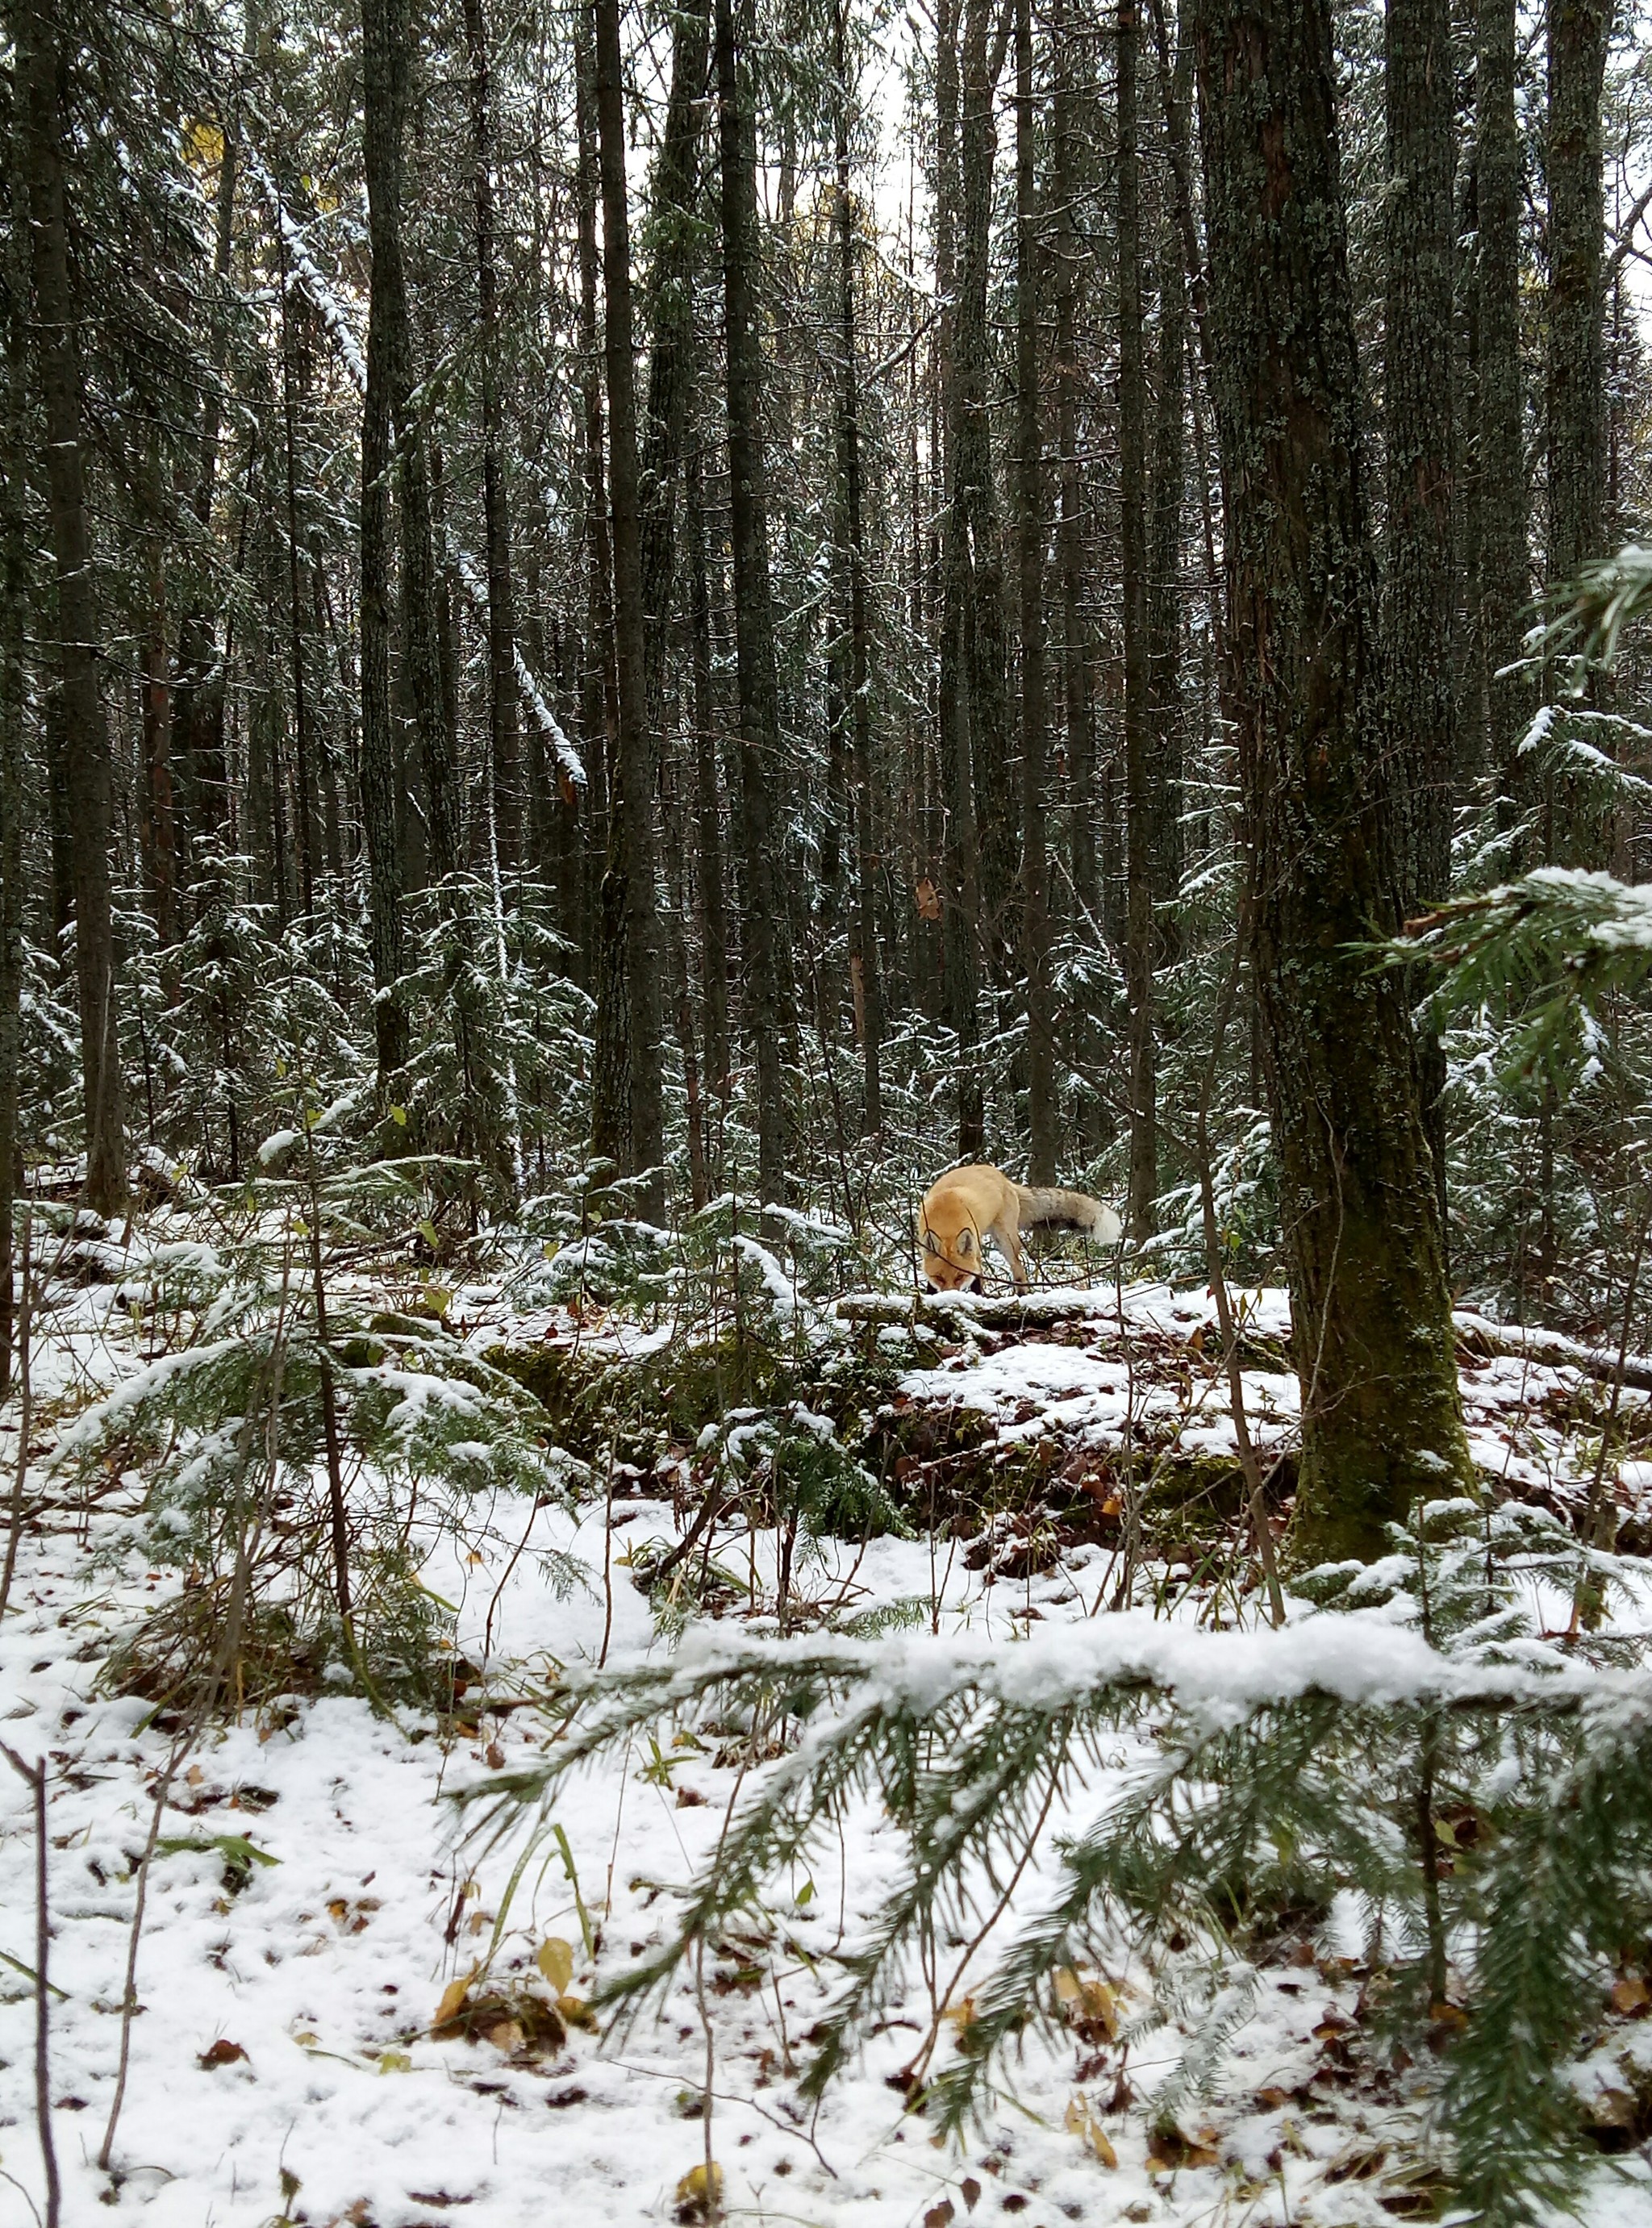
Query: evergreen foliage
[1422,1739]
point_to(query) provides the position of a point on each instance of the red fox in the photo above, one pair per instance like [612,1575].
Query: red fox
[962,1207]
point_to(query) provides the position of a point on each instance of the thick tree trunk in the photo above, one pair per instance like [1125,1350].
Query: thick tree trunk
[384,95]
[759,682]
[1505,553]
[867,973]
[1139,734]
[633,856]
[87,784]
[1034,716]
[1420,602]
[1578,31]
[1382,1419]
[504,731]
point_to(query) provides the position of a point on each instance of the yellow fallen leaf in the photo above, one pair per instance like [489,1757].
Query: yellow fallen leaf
[1083,2122]
[700,2188]
[555,1962]
[1068,1987]
[576,2011]
[394,2061]
[961,2015]
[453,1996]
[1630,1994]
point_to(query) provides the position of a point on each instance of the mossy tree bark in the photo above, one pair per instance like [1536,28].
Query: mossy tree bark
[1381,1417]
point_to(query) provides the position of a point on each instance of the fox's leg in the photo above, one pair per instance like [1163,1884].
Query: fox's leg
[1007,1231]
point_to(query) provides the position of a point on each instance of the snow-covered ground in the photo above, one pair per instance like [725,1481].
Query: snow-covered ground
[283,2064]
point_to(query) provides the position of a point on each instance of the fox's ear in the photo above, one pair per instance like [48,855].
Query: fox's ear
[964,1242]
[929,1246]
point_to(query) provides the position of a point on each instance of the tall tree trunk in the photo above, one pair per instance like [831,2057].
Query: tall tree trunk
[1164,614]
[632,857]
[504,735]
[201,788]
[1505,553]
[154,779]
[758,680]
[1420,602]
[1076,690]
[1371,1311]
[14,596]
[610,1120]
[1138,737]
[973,493]
[863,937]
[384,97]
[708,816]
[1578,31]
[960,850]
[87,781]
[1035,898]
[303,741]
[667,317]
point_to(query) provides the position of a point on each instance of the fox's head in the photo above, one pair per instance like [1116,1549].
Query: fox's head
[951,1247]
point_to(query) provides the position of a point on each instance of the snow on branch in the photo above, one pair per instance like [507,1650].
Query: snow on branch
[549,725]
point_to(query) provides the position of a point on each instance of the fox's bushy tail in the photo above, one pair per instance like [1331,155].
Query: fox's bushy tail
[1047,1206]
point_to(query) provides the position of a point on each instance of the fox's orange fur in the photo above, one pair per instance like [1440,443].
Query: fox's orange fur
[966,1206]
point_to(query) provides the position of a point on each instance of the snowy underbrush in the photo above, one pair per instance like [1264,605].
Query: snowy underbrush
[880,1792]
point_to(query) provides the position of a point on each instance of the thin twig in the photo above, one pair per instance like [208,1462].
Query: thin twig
[35,1774]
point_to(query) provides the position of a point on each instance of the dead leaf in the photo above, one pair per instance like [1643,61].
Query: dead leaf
[700,2192]
[928,898]
[939,2216]
[394,2061]
[1612,2108]
[1630,1994]
[970,2191]
[961,2016]
[1083,2122]
[555,1958]
[222,2052]
[496,1757]
[576,2011]
[453,1997]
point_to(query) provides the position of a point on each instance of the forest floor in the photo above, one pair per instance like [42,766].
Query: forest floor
[284,2066]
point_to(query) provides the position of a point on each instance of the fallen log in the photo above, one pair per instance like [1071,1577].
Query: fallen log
[1552,1348]
[1013,1311]
[959,1311]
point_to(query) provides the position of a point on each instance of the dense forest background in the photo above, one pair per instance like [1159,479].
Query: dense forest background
[654,598]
